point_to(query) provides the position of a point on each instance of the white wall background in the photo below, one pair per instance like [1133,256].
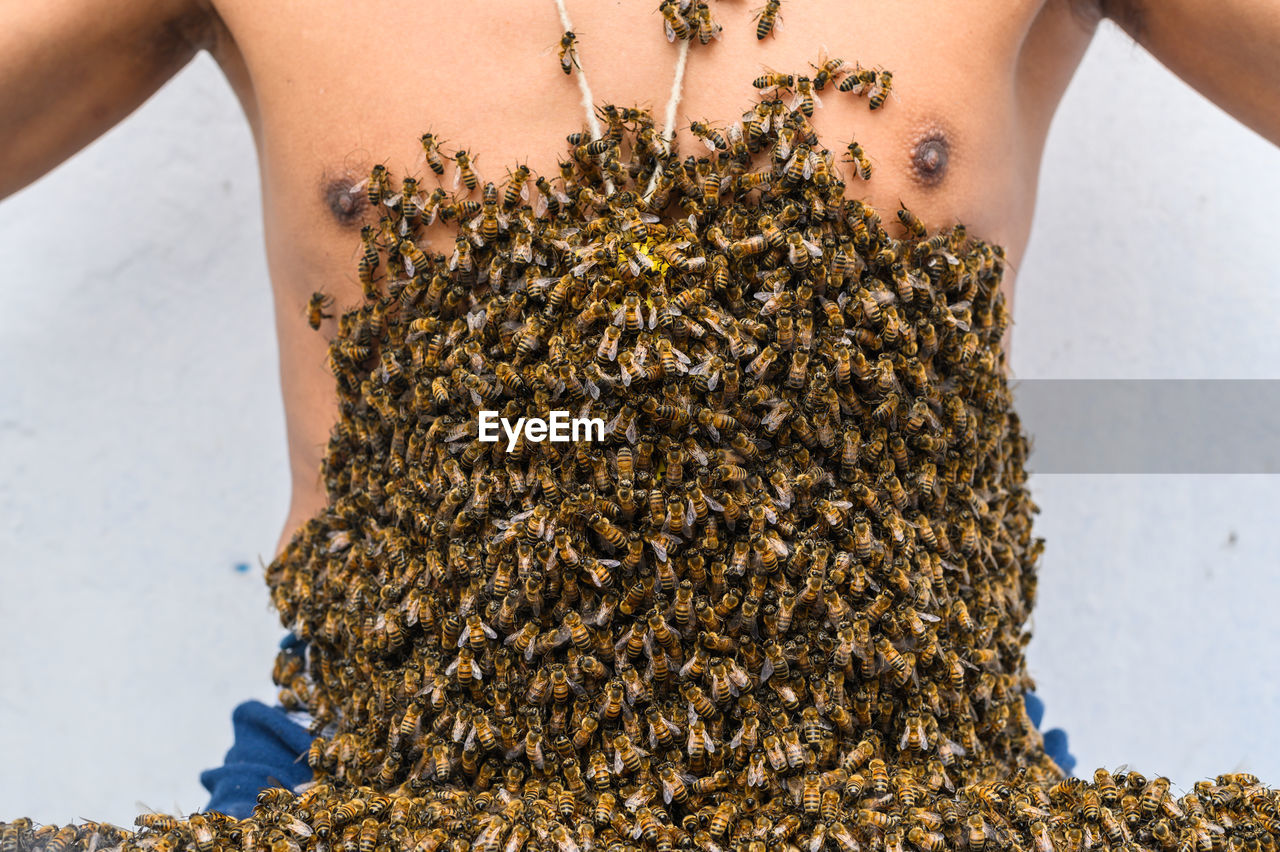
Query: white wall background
[142,453]
[1156,644]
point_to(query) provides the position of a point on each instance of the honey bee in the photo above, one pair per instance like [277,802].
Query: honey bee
[879,92]
[711,137]
[806,97]
[722,819]
[860,81]
[674,25]
[568,54]
[914,735]
[708,27]
[828,70]
[1153,795]
[316,307]
[376,186]
[860,161]
[976,832]
[767,19]
[414,257]
[464,173]
[627,758]
[62,839]
[773,80]
[431,153]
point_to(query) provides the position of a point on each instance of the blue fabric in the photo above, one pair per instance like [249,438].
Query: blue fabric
[270,750]
[1055,739]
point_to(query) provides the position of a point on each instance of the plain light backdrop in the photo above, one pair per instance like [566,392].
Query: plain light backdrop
[143,468]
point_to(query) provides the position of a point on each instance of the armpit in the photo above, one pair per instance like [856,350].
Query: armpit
[1129,15]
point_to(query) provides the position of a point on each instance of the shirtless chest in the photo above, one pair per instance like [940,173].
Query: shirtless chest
[333,88]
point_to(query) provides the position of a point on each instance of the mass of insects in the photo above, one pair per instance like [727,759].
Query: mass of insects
[783,603]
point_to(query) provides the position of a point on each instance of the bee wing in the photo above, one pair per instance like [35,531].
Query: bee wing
[666,26]
[817,101]
[794,157]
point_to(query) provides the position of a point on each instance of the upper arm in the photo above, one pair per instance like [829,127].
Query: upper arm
[1228,50]
[70,69]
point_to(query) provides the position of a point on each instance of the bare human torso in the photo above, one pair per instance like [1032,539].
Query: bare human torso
[975,87]
[331,88]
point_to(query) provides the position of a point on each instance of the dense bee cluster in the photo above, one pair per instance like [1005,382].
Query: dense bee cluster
[779,604]
[1121,812]
[801,555]
[803,543]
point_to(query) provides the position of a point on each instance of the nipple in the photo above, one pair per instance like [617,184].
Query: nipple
[345,205]
[929,158]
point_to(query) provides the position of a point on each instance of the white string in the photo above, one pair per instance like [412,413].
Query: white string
[588,100]
[677,91]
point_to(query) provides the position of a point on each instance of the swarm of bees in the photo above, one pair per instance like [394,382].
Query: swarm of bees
[781,605]
[1116,811]
[803,548]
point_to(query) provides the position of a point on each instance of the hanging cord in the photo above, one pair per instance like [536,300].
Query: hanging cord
[677,91]
[588,100]
[673,103]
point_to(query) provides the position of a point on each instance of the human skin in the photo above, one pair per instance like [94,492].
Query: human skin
[331,88]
